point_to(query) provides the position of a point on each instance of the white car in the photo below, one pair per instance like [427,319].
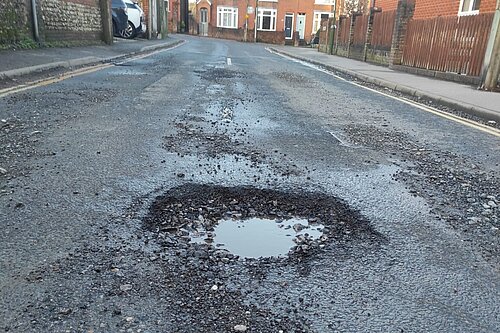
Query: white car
[136,21]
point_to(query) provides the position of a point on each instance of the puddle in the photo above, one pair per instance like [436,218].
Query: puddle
[255,237]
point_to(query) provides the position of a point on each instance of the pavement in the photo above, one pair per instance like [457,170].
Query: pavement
[15,63]
[462,97]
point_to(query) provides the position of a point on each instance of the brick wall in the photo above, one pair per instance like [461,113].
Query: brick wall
[15,21]
[271,37]
[432,8]
[233,34]
[71,20]
[386,5]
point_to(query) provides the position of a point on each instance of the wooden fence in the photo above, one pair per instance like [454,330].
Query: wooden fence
[383,26]
[448,44]
[343,31]
[360,29]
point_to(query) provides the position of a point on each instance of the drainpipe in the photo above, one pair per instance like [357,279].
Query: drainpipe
[35,21]
[255,23]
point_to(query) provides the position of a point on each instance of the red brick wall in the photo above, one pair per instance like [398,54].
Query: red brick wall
[386,5]
[433,8]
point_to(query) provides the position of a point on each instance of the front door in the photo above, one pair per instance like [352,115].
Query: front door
[301,25]
[288,26]
[203,29]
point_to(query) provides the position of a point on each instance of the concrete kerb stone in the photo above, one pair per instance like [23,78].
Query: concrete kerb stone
[471,110]
[81,61]
[161,46]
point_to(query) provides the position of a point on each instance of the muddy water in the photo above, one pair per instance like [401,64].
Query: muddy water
[256,237]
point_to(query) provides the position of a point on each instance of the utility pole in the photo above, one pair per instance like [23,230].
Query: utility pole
[491,64]
[107,25]
[34,14]
[162,19]
[333,27]
[150,20]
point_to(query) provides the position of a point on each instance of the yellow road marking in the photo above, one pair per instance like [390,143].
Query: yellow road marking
[86,70]
[437,112]
[51,80]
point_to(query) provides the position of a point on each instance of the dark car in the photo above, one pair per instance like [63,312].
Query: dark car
[119,13]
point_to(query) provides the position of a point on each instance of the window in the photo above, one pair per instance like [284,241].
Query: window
[318,17]
[227,17]
[167,5]
[469,7]
[266,20]
[324,2]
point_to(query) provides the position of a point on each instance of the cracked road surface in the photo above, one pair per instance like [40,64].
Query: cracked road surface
[106,177]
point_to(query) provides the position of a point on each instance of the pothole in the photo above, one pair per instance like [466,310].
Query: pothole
[215,223]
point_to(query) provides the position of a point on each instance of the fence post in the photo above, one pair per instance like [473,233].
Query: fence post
[369,29]
[404,13]
[491,64]
[107,27]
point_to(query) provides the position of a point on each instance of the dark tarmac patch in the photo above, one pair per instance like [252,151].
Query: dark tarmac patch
[217,74]
[216,285]
[189,139]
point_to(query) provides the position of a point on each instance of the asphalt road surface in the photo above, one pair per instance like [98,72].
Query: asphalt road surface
[113,185]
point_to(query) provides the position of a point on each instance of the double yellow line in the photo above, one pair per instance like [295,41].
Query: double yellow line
[86,70]
[44,82]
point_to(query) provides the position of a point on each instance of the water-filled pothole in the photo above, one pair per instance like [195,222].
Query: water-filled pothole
[225,224]
[259,237]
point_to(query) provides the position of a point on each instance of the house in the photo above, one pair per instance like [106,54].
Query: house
[432,8]
[278,21]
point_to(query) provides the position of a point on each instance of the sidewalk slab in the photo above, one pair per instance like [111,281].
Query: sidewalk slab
[466,98]
[24,62]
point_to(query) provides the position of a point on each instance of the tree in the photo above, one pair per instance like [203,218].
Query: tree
[352,6]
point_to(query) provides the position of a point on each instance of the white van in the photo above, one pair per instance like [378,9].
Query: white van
[136,21]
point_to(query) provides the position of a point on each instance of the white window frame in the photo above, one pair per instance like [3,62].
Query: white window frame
[167,5]
[324,2]
[317,20]
[273,17]
[232,12]
[469,11]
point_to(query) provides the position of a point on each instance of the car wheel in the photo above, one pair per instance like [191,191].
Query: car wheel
[128,33]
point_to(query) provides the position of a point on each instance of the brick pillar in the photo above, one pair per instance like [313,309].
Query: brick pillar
[369,29]
[403,15]
[351,34]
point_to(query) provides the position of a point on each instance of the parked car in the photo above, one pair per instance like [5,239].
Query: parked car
[136,22]
[119,14]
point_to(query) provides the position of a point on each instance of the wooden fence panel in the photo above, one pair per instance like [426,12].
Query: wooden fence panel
[360,29]
[383,26]
[343,27]
[448,44]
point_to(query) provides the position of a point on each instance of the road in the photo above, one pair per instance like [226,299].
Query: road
[107,178]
